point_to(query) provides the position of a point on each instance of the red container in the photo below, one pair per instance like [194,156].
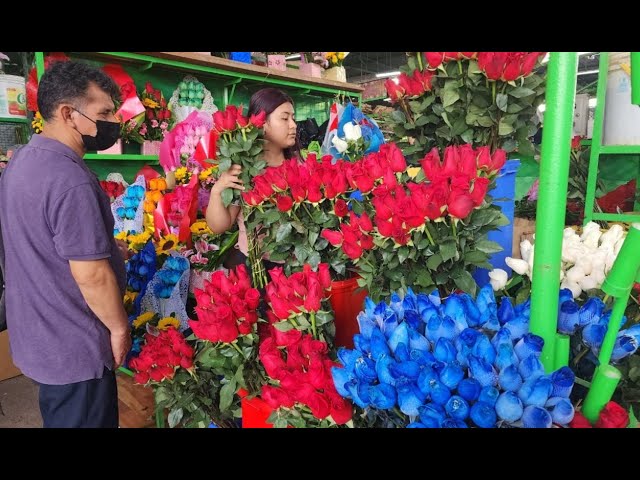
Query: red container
[346,304]
[255,411]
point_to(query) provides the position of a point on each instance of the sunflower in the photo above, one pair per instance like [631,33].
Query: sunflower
[143,319]
[166,244]
[167,322]
[121,235]
[200,228]
[137,241]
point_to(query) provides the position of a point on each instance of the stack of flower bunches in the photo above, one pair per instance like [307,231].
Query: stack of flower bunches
[141,268]
[592,321]
[453,364]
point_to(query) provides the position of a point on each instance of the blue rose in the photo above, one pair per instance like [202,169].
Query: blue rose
[506,356]
[130,213]
[399,335]
[361,344]
[535,391]
[593,335]
[562,381]
[484,350]
[451,376]
[382,396]
[365,370]
[414,319]
[565,295]
[536,417]
[417,341]
[483,415]
[529,344]
[445,351]
[505,311]
[423,358]
[591,311]
[366,324]
[410,301]
[424,303]
[383,369]
[490,320]
[485,298]
[454,308]
[509,407]
[434,297]
[410,398]
[402,353]
[503,336]
[121,212]
[427,378]
[523,309]
[390,322]
[509,379]
[469,389]
[457,408]
[358,392]
[396,305]
[441,327]
[348,358]
[431,414]
[482,371]
[473,315]
[409,370]
[531,367]
[452,423]
[568,318]
[357,196]
[439,393]
[625,345]
[518,327]
[561,410]
[377,344]
[489,395]
[340,378]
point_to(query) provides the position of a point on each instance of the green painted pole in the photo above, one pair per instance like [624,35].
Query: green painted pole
[618,284]
[39,64]
[635,78]
[562,349]
[552,200]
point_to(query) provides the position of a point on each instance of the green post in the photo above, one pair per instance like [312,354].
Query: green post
[618,284]
[552,201]
[39,64]
[635,78]
[562,349]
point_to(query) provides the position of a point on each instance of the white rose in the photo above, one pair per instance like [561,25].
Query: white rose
[525,249]
[498,279]
[571,253]
[574,287]
[521,267]
[584,262]
[591,239]
[352,132]
[340,144]
[589,283]
[575,274]
[611,236]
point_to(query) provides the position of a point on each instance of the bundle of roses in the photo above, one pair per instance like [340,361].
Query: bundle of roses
[482,98]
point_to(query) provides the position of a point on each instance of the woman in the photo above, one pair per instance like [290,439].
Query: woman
[280,144]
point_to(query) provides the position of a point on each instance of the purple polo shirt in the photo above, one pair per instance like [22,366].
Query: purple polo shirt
[53,210]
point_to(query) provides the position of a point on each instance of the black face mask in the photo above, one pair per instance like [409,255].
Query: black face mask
[106,135]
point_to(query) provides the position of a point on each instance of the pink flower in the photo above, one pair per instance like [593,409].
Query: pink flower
[532,194]
[164,126]
[154,123]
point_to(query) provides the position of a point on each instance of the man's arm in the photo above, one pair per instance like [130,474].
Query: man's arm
[99,287]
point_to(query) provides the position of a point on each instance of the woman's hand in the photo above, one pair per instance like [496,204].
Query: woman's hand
[228,179]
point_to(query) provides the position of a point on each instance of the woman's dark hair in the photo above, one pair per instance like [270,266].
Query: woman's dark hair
[68,82]
[268,99]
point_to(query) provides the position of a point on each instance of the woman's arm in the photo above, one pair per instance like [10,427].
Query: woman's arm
[221,218]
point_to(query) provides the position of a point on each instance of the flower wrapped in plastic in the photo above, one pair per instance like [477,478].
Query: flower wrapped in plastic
[176,211]
[168,290]
[179,145]
[128,209]
[191,96]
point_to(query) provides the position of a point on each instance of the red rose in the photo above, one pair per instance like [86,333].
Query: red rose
[324,276]
[239,307]
[511,70]
[186,362]
[480,186]
[340,208]
[580,421]
[498,159]
[341,410]
[575,142]
[284,203]
[460,205]
[244,327]
[141,378]
[333,237]
[434,59]
[467,165]
[259,119]
[242,121]
[313,299]
[319,405]
[252,297]
[395,91]
[159,373]
[316,373]
[273,363]
[276,397]
[352,250]
[280,307]
[397,161]
[613,416]
[285,339]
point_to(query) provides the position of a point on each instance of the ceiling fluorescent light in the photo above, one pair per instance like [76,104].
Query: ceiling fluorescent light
[546,57]
[387,74]
[587,72]
[293,57]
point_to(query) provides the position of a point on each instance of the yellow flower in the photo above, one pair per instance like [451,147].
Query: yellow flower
[167,322]
[170,242]
[200,228]
[143,319]
[137,241]
[37,122]
[147,102]
[181,174]
[130,297]
[334,59]
[121,235]
[341,55]
[206,174]
[413,171]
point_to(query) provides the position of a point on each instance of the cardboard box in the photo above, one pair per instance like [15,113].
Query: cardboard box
[7,368]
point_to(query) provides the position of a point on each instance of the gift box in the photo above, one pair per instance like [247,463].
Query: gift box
[311,70]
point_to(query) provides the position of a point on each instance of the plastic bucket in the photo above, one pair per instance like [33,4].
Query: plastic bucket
[505,189]
[346,304]
[13,98]
[621,117]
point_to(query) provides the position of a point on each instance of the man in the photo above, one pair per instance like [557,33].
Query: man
[64,273]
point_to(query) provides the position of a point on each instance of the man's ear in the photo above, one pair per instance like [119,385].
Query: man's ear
[64,112]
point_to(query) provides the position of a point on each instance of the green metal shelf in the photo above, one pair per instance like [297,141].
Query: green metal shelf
[620,149]
[122,157]
[617,217]
[14,120]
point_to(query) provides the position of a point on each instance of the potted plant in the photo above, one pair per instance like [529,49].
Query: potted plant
[336,69]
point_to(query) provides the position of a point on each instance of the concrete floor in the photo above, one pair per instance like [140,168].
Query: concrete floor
[19,403]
